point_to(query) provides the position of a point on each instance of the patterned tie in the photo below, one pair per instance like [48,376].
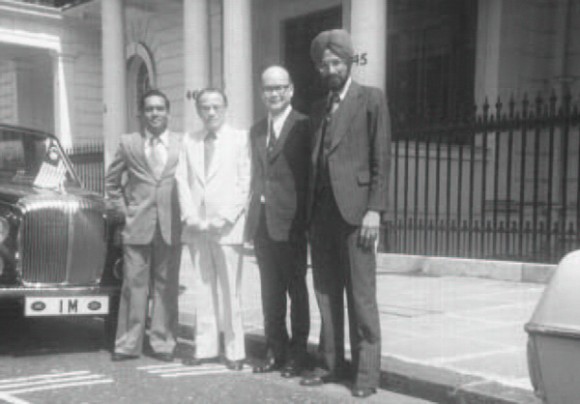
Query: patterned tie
[155,161]
[209,149]
[271,138]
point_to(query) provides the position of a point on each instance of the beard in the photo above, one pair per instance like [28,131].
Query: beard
[335,82]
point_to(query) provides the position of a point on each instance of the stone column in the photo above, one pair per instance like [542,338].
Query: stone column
[238,61]
[195,57]
[114,75]
[63,82]
[369,35]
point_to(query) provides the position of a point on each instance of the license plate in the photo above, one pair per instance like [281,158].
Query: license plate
[66,306]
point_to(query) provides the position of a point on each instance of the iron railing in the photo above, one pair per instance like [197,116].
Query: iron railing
[501,184]
[88,161]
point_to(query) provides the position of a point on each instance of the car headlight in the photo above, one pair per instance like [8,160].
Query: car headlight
[4,229]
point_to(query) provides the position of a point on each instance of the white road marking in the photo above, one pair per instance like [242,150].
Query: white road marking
[29,384]
[60,386]
[45,376]
[179,370]
[11,400]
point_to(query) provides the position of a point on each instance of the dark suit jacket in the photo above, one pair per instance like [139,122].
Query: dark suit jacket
[281,177]
[143,199]
[359,155]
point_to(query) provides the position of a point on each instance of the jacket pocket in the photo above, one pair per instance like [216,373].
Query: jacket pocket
[363,177]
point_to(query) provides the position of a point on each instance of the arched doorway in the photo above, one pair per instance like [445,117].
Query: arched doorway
[140,79]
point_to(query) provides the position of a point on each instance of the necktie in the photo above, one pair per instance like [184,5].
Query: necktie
[333,103]
[271,137]
[331,107]
[155,158]
[209,149]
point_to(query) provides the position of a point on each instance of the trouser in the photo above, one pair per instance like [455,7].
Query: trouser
[150,270]
[339,264]
[282,267]
[217,290]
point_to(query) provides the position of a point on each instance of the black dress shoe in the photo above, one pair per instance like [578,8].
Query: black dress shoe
[315,381]
[119,357]
[270,366]
[191,361]
[363,392]
[235,365]
[292,369]
[162,356]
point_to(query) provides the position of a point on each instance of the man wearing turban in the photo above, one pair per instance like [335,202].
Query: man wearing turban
[348,194]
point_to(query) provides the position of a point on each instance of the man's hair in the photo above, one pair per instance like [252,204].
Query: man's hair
[152,93]
[210,90]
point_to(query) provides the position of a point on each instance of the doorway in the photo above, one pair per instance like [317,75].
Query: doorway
[298,33]
[140,79]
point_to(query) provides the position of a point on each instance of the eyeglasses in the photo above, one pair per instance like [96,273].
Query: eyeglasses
[275,89]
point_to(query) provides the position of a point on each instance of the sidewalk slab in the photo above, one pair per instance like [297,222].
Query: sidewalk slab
[448,339]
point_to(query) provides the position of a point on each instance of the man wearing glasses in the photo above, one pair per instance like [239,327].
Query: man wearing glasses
[348,193]
[277,220]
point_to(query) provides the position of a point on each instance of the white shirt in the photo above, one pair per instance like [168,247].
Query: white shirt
[278,122]
[342,93]
[161,145]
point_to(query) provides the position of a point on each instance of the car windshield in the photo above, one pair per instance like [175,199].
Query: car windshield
[33,159]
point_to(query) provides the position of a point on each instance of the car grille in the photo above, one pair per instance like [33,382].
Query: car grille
[61,241]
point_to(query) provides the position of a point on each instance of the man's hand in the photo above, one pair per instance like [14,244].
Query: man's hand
[218,225]
[200,225]
[369,231]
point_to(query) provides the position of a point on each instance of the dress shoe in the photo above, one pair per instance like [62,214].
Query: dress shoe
[119,357]
[162,356]
[191,361]
[314,381]
[363,392]
[267,367]
[235,365]
[292,369]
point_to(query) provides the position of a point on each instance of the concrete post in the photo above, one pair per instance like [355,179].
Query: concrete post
[195,57]
[369,36]
[238,61]
[114,75]
[63,82]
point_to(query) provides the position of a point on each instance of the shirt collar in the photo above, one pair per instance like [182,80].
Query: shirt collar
[217,133]
[345,88]
[280,118]
[163,137]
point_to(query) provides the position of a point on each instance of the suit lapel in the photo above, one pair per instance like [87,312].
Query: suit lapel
[221,143]
[344,115]
[261,136]
[172,153]
[288,125]
[318,115]
[137,147]
[197,155]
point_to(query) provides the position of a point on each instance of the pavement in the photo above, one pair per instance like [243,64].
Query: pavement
[448,339]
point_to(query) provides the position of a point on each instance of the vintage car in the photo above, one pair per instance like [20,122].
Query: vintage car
[56,254]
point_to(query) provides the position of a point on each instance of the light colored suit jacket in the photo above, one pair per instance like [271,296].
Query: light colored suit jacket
[135,192]
[224,192]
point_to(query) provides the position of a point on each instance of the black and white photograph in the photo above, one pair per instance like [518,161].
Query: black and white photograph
[289,201]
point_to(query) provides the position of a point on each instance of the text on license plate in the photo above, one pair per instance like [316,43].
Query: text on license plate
[66,306]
